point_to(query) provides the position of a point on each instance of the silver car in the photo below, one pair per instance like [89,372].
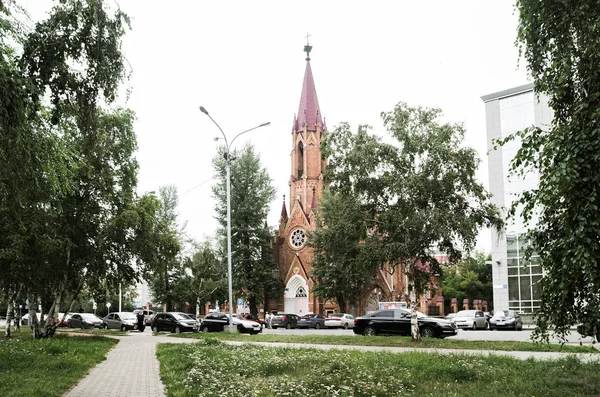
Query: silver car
[470,319]
[120,320]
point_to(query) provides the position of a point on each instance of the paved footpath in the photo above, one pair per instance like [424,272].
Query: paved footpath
[132,370]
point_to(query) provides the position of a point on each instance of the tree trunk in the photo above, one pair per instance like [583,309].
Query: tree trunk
[252,305]
[9,312]
[414,323]
[198,312]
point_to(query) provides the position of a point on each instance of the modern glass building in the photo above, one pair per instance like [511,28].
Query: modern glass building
[509,111]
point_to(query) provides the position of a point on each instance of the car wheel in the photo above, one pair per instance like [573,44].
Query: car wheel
[474,328]
[123,328]
[516,326]
[428,332]
[205,329]
[598,335]
[318,326]
[177,330]
[105,326]
[487,325]
[274,327]
[369,331]
[345,325]
[288,326]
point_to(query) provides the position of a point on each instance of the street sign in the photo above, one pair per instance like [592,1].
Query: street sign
[95,306]
[108,305]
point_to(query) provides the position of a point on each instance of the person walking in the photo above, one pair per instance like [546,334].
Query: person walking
[267,320]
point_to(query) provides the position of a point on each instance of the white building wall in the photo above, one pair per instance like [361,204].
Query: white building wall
[508,112]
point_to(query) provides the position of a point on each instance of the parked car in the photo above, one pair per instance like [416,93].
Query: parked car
[470,319]
[286,320]
[339,320]
[25,318]
[215,322]
[84,320]
[316,321]
[449,316]
[507,319]
[397,321]
[63,320]
[249,317]
[173,322]
[148,319]
[120,320]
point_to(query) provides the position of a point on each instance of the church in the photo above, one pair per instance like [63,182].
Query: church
[306,190]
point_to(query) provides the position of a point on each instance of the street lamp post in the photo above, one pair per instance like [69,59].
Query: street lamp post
[227,168]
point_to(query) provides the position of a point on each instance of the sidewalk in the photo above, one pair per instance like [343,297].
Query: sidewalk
[130,369]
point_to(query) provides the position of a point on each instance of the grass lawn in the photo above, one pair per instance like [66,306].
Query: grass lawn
[396,341]
[212,368]
[92,331]
[47,367]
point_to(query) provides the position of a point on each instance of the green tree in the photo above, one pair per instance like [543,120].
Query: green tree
[560,41]
[419,191]
[165,266]
[471,278]
[252,192]
[341,245]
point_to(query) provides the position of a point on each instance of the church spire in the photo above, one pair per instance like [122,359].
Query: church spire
[309,113]
[284,214]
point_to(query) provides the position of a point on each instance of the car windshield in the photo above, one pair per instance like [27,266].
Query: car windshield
[88,316]
[466,313]
[181,316]
[502,313]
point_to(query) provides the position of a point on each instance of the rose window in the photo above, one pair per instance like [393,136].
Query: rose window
[298,238]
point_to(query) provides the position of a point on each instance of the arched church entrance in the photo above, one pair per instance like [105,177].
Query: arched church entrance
[296,296]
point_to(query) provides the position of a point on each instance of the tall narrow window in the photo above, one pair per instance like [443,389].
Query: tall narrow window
[300,160]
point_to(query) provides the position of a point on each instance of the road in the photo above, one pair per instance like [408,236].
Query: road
[499,335]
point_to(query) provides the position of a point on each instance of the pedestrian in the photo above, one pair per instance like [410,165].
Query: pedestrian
[140,321]
[267,320]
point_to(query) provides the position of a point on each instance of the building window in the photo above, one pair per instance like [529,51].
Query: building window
[298,238]
[300,160]
[301,293]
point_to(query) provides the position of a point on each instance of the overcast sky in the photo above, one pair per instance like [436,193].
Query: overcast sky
[244,62]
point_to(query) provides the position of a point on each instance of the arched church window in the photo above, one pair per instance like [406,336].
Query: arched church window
[298,238]
[301,293]
[300,160]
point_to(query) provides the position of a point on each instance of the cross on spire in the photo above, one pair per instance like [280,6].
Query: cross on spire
[307,47]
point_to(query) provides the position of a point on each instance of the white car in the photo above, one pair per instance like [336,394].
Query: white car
[470,319]
[339,320]
[246,326]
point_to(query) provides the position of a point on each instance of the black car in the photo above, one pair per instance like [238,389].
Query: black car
[174,322]
[214,322]
[316,321]
[286,320]
[84,320]
[397,322]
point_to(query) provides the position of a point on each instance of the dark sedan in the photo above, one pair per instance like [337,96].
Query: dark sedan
[397,322]
[286,320]
[316,321]
[173,322]
[84,320]
[506,319]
